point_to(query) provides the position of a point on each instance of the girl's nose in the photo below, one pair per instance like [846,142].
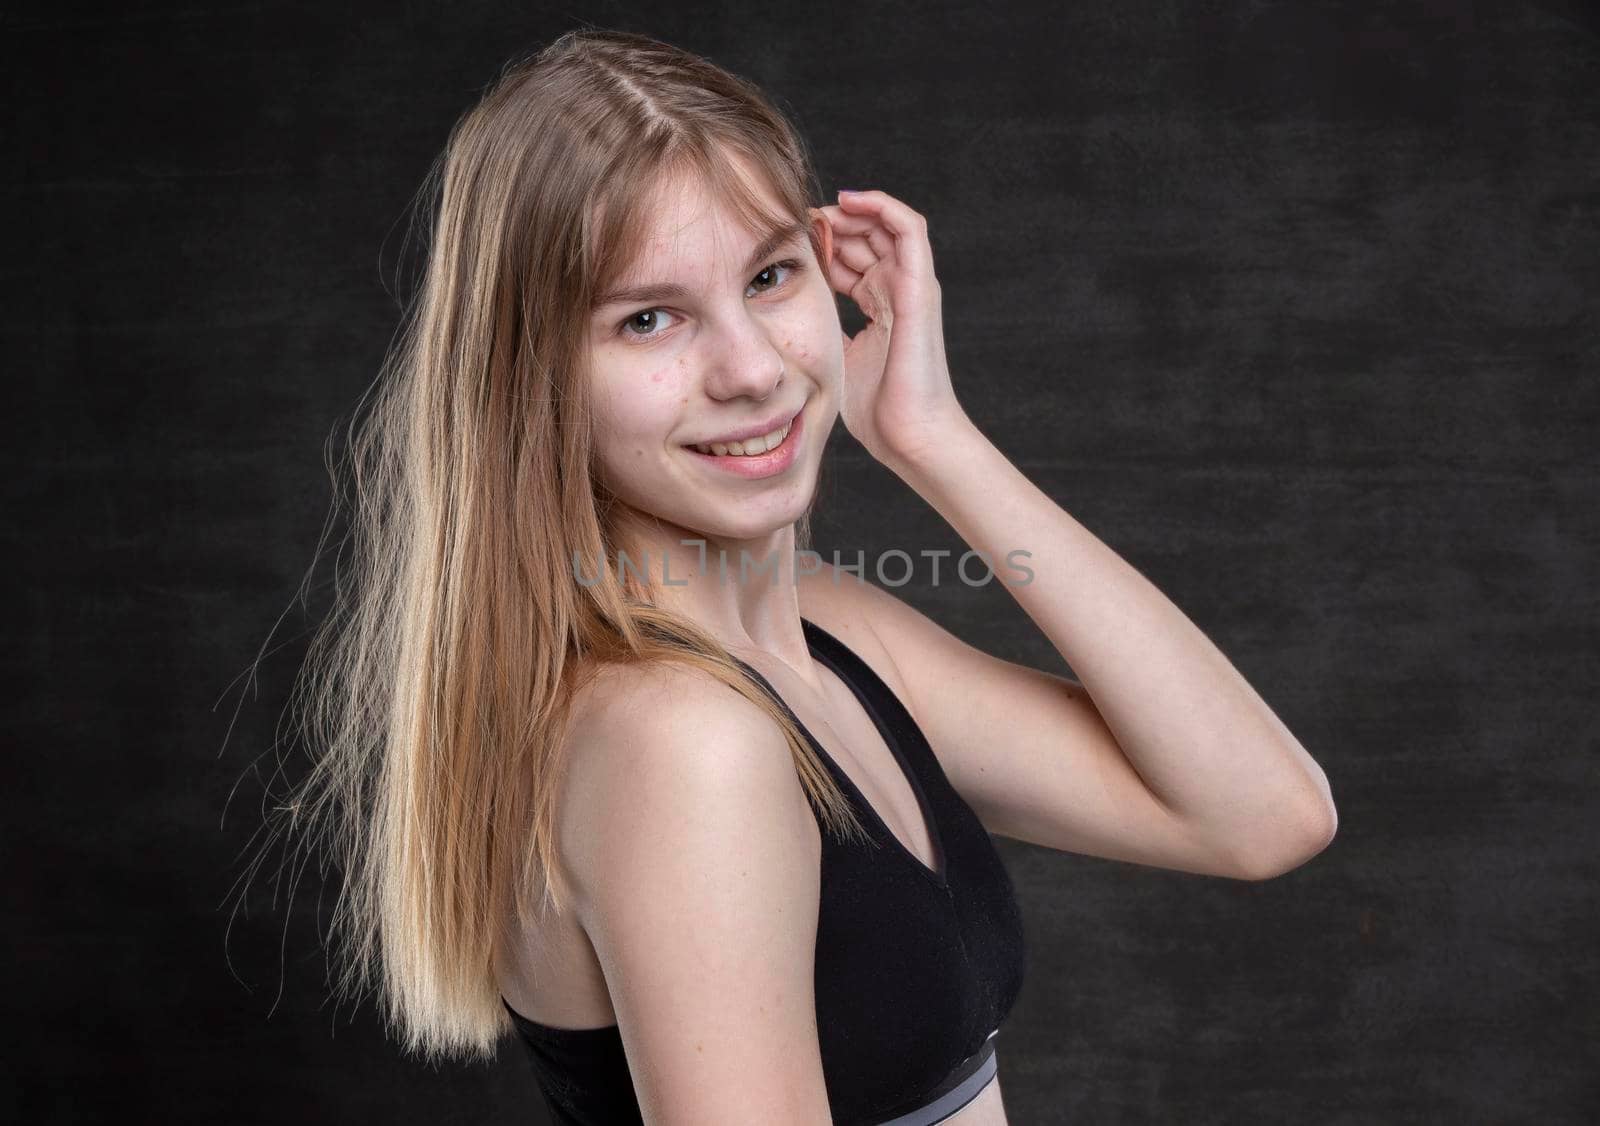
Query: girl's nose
[751,367]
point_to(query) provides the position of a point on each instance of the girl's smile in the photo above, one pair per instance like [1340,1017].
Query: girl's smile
[755,466]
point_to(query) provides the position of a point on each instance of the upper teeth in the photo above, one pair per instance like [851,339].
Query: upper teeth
[749,446]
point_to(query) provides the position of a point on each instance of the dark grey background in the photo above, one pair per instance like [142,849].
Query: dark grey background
[1293,304]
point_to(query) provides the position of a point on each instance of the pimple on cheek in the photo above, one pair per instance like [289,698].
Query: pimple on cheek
[671,373]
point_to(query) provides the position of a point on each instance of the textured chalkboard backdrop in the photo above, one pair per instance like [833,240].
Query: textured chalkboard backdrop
[1294,305]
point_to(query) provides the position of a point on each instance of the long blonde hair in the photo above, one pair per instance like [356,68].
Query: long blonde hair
[435,694]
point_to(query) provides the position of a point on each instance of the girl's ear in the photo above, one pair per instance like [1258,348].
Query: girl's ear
[819,220]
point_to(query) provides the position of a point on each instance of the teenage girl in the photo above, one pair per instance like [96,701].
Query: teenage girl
[613,761]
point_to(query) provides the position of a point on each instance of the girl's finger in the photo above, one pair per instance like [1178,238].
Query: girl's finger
[909,228]
[855,253]
[840,276]
[842,220]
[881,241]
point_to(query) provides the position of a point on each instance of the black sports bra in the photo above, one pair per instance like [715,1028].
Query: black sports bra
[916,967]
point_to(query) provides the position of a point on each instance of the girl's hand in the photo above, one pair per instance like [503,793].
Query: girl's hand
[897,399]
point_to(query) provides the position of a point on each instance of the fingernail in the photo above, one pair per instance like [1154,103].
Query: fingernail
[849,191]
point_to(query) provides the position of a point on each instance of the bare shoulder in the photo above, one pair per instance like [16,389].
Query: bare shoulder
[645,736]
[697,860]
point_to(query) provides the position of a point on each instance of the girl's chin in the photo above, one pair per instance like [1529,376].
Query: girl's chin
[715,523]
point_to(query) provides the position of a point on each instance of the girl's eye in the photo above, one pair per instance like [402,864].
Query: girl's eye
[789,265]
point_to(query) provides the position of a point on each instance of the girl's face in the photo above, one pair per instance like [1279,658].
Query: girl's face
[723,332]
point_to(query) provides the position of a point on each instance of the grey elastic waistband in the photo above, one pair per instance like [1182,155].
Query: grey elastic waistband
[969,1077]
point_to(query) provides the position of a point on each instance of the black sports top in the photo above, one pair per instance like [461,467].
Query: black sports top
[916,968]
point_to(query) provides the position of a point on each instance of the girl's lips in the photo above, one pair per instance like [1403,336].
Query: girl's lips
[756,466]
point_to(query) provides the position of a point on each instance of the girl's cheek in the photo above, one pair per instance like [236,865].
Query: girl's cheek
[643,401]
[669,380]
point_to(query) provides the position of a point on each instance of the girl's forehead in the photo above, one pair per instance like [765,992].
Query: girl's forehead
[688,192]
[702,226]
[690,207]
[706,230]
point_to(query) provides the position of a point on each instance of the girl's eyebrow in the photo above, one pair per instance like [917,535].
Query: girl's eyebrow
[672,291]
